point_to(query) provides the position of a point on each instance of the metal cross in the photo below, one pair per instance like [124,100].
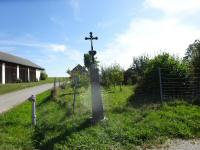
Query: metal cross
[92,52]
[91,38]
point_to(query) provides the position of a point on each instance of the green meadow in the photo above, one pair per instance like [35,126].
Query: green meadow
[126,126]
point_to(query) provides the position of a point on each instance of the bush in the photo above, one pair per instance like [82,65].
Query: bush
[43,76]
[19,80]
[148,84]
[113,75]
[132,74]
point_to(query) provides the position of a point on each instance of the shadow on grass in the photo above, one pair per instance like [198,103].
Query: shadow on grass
[41,132]
[65,94]
[70,93]
[119,110]
[44,101]
[138,100]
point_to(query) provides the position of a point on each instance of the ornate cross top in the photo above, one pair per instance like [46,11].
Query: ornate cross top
[91,38]
[92,52]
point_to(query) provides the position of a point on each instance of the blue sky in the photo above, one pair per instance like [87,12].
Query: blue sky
[51,32]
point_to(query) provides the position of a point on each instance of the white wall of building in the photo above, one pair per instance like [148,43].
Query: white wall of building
[3,73]
[38,74]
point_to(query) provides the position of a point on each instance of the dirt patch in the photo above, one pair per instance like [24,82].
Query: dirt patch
[179,144]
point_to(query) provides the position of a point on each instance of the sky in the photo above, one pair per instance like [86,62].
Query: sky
[51,32]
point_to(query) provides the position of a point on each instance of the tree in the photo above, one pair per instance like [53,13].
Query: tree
[136,70]
[78,80]
[117,75]
[139,64]
[43,75]
[106,77]
[192,56]
[112,75]
[130,76]
[87,60]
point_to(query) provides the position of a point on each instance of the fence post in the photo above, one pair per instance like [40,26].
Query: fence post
[74,100]
[33,99]
[54,83]
[59,82]
[160,81]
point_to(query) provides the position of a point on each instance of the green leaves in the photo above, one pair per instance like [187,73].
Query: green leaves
[192,56]
[112,75]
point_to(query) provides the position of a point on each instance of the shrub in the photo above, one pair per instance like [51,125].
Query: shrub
[19,80]
[112,75]
[43,76]
[137,69]
[148,83]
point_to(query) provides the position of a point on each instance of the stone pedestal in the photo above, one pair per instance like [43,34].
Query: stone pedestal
[97,105]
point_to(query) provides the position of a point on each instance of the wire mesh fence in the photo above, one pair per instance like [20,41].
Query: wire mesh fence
[177,85]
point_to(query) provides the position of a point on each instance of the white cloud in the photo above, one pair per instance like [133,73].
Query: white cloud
[174,6]
[151,36]
[30,43]
[57,47]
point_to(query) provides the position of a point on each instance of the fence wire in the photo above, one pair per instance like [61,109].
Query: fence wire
[177,85]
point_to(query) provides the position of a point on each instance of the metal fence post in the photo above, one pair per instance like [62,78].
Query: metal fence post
[33,100]
[160,81]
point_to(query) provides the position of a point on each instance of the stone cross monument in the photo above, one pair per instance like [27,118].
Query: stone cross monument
[97,105]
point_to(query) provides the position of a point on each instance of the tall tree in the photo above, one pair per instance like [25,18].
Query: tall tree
[112,75]
[193,56]
[87,60]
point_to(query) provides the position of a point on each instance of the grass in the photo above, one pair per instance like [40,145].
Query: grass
[15,126]
[18,86]
[126,127]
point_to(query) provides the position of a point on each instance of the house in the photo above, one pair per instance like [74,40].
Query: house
[78,70]
[13,68]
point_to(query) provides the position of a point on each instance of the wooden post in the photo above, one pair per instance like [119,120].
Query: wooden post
[74,100]
[160,81]
[54,89]
[75,80]
[54,84]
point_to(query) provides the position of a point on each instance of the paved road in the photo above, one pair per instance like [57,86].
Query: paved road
[7,101]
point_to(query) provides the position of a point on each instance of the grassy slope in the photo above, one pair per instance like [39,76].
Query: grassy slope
[125,128]
[18,86]
[15,126]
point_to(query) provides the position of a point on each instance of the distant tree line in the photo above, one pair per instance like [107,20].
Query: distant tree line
[143,72]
